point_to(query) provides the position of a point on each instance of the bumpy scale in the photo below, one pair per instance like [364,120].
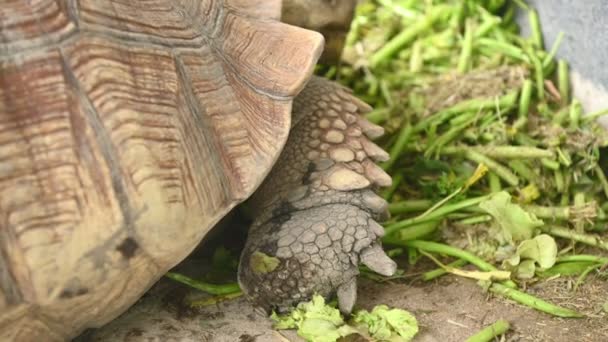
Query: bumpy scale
[316,211]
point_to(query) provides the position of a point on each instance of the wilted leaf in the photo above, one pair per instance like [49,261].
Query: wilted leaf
[516,223]
[526,269]
[315,321]
[388,324]
[542,249]
[262,263]
[319,322]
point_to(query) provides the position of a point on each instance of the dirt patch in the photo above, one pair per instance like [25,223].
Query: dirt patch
[448,309]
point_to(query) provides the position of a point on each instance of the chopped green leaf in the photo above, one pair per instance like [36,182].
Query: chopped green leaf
[320,322]
[388,324]
[516,224]
[542,249]
[262,263]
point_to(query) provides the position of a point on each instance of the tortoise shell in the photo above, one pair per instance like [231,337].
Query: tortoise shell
[127,130]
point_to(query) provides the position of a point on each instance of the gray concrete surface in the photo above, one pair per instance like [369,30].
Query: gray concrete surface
[585,47]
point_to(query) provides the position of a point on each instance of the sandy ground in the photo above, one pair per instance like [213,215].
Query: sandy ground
[448,309]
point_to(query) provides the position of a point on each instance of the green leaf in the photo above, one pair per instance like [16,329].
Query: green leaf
[567,268]
[516,223]
[262,263]
[526,269]
[542,250]
[388,324]
[315,321]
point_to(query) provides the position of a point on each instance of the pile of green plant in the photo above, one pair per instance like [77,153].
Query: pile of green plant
[494,164]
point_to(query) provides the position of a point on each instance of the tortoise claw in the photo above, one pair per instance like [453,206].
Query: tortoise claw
[375,258]
[347,296]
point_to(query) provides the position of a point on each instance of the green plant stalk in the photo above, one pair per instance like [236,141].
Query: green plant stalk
[523,170]
[486,26]
[409,206]
[395,151]
[550,164]
[554,213]
[505,101]
[436,273]
[582,258]
[435,215]
[579,202]
[500,170]
[564,157]
[524,99]
[602,177]
[533,302]
[494,181]
[490,332]
[595,115]
[388,193]
[560,185]
[434,247]
[407,36]
[445,138]
[563,82]
[418,231]
[566,233]
[502,152]
[575,112]
[551,55]
[539,76]
[504,48]
[537,33]
[213,289]
[464,60]
[416,59]
[583,275]
[475,219]
[378,116]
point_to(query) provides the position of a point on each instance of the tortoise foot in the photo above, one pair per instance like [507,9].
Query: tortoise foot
[316,213]
[317,250]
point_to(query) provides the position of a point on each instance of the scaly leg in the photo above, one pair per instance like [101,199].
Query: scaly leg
[315,215]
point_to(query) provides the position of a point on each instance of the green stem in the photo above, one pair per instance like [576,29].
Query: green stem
[435,215]
[472,105]
[595,115]
[436,273]
[554,213]
[551,55]
[524,99]
[494,181]
[502,152]
[582,258]
[566,233]
[409,206]
[602,177]
[407,36]
[213,289]
[563,81]
[388,193]
[523,170]
[533,302]
[500,170]
[476,219]
[464,60]
[418,231]
[537,33]
[395,151]
[490,332]
[439,248]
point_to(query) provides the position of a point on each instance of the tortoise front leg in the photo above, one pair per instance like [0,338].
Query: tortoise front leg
[315,215]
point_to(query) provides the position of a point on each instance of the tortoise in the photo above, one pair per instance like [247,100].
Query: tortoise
[128,129]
